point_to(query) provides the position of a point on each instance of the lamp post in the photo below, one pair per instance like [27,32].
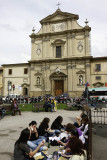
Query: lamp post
[13,86]
[9,87]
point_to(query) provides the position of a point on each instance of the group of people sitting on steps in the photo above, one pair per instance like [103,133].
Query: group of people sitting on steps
[73,137]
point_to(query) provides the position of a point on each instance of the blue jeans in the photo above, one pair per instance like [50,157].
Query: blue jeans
[34,144]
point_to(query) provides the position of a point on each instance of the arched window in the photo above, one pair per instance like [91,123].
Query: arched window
[80,80]
[38,81]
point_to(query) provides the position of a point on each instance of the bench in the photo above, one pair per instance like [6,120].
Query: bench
[73,106]
[37,107]
[7,108]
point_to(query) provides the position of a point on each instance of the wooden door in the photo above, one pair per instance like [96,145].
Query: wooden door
[59,87]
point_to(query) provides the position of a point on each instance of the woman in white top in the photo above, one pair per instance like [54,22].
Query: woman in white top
[84,129]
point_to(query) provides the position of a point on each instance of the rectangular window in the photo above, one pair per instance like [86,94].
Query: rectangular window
[97,67]
[10,71]
[58,51]
[25,70]
[98,77]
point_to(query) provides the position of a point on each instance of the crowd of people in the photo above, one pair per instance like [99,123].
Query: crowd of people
[73,137]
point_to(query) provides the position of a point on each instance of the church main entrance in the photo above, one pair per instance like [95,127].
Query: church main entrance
[59,87]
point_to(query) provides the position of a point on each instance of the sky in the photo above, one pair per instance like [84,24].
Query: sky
[18,17]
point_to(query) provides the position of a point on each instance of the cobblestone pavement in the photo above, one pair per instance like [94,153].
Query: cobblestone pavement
[11,126]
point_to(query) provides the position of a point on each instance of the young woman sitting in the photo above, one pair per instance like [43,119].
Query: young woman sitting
[44,130]
[22,150]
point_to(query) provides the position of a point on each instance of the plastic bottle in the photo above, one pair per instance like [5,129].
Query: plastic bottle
[49,144]
[55,155]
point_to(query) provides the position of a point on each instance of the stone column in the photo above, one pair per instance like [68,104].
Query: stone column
[73,76]
[69,49]
[32,49]
[69,76]
[88,71]
[73,44]
[44,47]
[47,67]
[87,44]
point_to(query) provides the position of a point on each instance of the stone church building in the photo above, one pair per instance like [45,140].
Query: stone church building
[60,62]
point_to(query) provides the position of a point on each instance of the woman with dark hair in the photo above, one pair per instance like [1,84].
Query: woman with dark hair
[34,140]
[21,148]
[76,148]
[84,128]
[44,130]
[71,129]
[57,123]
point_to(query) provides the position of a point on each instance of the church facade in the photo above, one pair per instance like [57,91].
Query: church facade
[60,62]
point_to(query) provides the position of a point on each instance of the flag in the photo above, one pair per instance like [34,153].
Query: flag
[87,84]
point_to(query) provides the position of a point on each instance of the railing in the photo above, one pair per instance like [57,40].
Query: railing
[87,111]
[96,115]
[99,116]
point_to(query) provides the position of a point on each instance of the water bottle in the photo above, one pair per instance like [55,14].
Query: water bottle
[49,144]
[55,155]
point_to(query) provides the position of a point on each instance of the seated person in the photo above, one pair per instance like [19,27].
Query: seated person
[84,129]
[22,150]
[44,130]
[48,105]
[15,108]
[75,149]
[78,122]
[34,140]
[57,124]
[70,127]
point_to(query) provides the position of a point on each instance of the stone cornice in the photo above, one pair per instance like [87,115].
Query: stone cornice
[60,33]
[60,59]
[99,58]
[17,64]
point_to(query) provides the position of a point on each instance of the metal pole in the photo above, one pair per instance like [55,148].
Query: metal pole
[87,95]
[8,87]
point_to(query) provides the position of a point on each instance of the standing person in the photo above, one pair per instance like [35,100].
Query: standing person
[21,148]
[55,104]
[15,107]
[34,140]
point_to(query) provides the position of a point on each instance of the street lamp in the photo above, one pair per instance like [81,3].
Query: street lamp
[9,87]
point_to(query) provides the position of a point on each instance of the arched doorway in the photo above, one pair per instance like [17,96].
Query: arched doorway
[25,91]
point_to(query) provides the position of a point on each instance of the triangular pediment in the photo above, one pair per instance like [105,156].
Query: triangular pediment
[58,74]
[98,84]
[38,74]
[59,15]
[24,85]
[80,72]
